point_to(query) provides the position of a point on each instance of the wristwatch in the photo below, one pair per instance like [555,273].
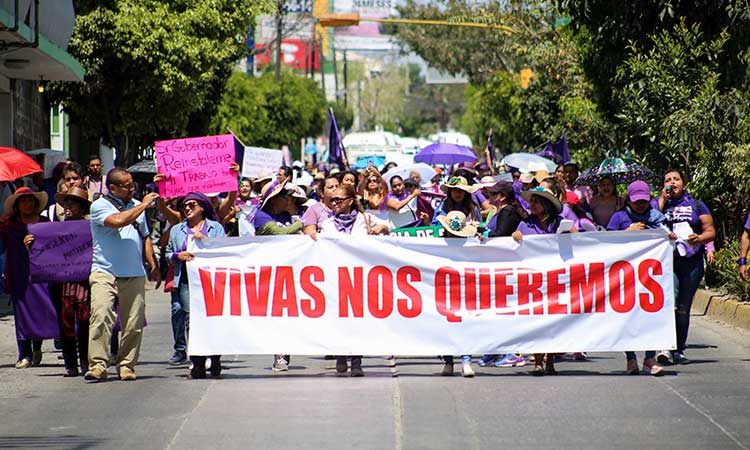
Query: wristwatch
[742,261]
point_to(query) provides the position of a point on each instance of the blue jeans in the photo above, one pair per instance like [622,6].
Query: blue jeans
[630,356]
[180,317]
[688,273]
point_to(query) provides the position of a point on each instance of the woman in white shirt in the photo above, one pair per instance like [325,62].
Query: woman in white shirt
[350,218]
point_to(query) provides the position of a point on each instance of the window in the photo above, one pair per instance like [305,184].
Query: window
[55,120]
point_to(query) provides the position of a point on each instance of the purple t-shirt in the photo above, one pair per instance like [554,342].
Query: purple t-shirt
[747,223]
[621,220]
[478,197]
[517,187]
[262,218]
[316,214]
[532,225]
[392,195]
[686,209]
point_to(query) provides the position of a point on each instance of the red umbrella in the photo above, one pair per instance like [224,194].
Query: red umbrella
[15,164]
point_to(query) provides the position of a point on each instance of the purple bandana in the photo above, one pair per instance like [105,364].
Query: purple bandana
[345,222]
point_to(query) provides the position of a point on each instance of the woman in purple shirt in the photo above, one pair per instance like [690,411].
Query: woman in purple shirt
[544,218]
[319,212]
[21,209]
[638,215]
[681,208]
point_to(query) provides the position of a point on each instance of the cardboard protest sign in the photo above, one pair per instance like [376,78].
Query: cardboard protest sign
[200,164]
[259,160]
[62,251]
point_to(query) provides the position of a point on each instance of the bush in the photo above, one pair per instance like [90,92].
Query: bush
[724,272]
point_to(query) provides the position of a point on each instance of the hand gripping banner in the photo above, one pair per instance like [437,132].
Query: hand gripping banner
[599,291]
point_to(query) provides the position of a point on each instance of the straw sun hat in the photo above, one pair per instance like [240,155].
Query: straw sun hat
[455,224]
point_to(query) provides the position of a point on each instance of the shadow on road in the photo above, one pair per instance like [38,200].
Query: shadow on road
[67,442]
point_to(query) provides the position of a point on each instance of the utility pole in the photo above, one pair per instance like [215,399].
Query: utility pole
[279,24]
[322,64]
[335,76]
[346,80]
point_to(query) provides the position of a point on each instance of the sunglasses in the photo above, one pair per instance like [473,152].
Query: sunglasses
[190,205]
[337,200]
[373,180]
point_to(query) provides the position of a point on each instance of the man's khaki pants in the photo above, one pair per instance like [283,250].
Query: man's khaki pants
[130,294]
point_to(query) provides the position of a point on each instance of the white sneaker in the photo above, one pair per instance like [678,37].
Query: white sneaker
[665,357]
[466,370]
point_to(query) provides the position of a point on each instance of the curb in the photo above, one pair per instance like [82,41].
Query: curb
[721,307]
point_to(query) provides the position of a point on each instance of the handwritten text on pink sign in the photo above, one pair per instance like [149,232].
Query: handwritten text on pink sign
[200,164]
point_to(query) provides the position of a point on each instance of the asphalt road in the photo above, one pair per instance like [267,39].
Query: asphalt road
[401,404]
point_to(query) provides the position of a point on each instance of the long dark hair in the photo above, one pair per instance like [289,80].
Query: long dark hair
[467,206]
[505,189]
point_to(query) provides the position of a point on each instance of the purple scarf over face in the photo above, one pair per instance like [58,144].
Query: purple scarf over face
[345,222]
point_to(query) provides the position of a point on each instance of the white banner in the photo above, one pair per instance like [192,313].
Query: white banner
[258,160]
[599,291]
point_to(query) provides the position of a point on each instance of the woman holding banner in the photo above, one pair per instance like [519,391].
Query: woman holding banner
[21,209]
[279,204]
[350,218]
[457,225]
[319,212]
[638,215]
[544,218]
[200,222]
[459,198]
[72,299]
[401,203]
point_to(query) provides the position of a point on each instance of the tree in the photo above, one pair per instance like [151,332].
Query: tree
[155,69]
[606,30]
[265,113]
[675,114]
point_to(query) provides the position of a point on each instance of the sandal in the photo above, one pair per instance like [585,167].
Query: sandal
[538,371]
[550,370]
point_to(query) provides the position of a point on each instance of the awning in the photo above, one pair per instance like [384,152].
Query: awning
[47,61]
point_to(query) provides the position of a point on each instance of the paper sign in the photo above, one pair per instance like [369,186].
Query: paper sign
[200,164]
[62,251]
[259,160]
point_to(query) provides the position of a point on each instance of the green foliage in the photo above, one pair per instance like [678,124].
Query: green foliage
[476,52]
[265,113]
[605,30]
[675,114]
[724,273]
[344,115]
[155,69]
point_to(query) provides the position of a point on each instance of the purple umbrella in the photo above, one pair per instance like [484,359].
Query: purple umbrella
[445,153]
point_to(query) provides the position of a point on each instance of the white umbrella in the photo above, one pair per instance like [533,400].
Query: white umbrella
[527,162]
[52,158]
[424,170]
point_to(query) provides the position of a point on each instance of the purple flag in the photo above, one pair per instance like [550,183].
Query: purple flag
[557,152]
[336,152]
[62,251]
[490,150]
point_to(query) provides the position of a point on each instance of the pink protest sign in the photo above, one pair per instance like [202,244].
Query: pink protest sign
[200,164]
